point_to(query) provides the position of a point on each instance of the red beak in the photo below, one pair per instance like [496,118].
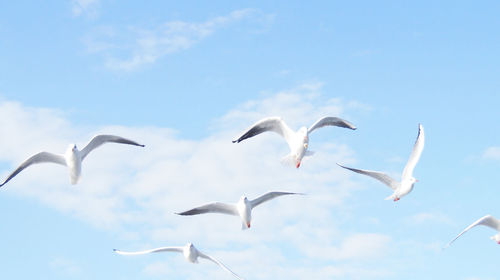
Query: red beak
[298,164]
[248,225]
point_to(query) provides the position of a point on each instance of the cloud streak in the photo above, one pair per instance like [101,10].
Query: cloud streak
[491,153]
[134,47]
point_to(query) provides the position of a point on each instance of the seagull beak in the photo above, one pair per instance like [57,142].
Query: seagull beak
[248,225]
[298,164]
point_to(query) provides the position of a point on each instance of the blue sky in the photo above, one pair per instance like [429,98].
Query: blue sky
[186,78]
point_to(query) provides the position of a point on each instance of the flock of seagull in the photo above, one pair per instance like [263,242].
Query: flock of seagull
[298,142]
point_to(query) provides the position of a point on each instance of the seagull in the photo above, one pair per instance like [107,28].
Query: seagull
[407,180]
[72,158]
[243,208]
[297,141]
[189,251]
[488,221]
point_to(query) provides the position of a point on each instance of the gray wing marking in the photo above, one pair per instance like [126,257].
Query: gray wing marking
[268,196]
[330,121]
[382,177]
[35,159]
[487,220]
[157,250]
[214,207]
[415,153]
[275,124]
[214,260]
[101,139]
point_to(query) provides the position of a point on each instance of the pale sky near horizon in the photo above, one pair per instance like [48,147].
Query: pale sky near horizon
[186,78]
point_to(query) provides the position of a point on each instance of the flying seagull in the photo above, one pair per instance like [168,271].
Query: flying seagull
[297,141]
[243,208]
[407,180]
[189,251]
[488,221]
[72,158]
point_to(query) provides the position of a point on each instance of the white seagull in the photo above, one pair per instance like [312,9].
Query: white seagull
[488,221]
[243,208]
[189,251]
[297,141]
[407,180]
[72,158]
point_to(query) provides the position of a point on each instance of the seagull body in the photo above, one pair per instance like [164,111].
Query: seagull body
[72,158]
[405,186]
[298,141]
[190,253]
[243,208]
[488,221]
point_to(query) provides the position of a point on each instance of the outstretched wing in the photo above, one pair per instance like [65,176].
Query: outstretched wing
[275,124]
[382,177]
[157,250]
[415,153]
[487,220]
[37,158]
[214,260]
[330,121]
[214,207]
[268,196]
[101,139]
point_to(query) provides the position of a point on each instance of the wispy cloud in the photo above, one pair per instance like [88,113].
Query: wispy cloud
[134,47]
[88,7]
[491,153]
[428,217]
[65,266]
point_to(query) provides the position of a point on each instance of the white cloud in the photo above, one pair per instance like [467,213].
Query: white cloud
[88,7]
[428,217]
[131,48]
[65,266]
[133,192]
[491,153]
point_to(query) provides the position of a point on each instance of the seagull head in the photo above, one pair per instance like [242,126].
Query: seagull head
[73,147]
[244,198]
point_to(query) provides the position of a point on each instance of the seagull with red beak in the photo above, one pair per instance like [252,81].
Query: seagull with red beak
[243,208]
[297,141]
[407,180]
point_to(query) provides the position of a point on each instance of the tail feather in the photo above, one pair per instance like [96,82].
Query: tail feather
[391,197]
[289,160]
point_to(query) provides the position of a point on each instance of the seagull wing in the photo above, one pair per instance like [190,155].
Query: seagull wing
[101,139]
[415,153]
[330,121]
[382,177]
[214,260]
[268,196]
[37,158]
[214,207]
[157,250]
[275,124]
[487,220]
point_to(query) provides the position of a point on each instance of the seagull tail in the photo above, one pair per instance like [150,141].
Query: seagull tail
[288,160]
[391,197]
